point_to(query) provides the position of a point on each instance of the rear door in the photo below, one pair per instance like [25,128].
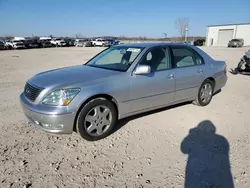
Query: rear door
[156,88]
[189,72]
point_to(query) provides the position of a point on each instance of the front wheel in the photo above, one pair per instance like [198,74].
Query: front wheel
[97,119]
[205,93]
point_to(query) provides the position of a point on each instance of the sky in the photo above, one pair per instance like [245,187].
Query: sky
[150,18]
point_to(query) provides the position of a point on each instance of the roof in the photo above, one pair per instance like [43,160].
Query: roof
[148,45]
[229,24]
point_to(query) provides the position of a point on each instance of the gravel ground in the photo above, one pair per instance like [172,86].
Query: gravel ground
[150,150]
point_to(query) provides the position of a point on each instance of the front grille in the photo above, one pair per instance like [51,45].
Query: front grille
[31,92]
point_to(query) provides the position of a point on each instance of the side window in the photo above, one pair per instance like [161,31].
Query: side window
[158,59]
[184,57]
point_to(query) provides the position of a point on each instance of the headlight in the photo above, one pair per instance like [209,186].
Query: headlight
[61,97]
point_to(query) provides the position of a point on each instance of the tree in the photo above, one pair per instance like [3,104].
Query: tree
[181,25]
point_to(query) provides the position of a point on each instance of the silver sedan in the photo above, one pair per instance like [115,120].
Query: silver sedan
[121,81]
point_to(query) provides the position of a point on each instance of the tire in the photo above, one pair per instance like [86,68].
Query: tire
[98,121]
[94,45]
[199,100]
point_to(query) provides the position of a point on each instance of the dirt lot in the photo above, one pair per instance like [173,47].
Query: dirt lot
[150,150]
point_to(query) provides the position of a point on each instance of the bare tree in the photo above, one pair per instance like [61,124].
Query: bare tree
[181,25]
[165,35]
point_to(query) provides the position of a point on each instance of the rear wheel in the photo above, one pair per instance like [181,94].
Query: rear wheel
[205,93]
[96,119]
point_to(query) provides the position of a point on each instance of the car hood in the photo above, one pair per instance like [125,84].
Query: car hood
[70,76]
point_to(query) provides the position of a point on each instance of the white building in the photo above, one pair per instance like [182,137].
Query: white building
[220,35]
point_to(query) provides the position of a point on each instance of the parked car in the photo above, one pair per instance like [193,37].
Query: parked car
[15,44]
[44,43]
[2,45]
[58,42]
[79,43]
[31,43]
[120,81]
[244,64]
[83,42]
[100,42]
[236,43]
[188,42]
[112,42]
[199,42]
[69,42]
[8,44]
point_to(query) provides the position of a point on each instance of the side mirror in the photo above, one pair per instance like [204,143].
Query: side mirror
[142,69]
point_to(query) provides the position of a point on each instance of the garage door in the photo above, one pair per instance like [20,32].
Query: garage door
[224,36]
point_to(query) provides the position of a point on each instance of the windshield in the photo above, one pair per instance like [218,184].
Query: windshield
[117,58]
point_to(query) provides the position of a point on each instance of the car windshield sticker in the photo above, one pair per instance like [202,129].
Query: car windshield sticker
[133,50]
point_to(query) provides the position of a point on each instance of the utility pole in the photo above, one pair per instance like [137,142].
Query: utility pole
[186,34]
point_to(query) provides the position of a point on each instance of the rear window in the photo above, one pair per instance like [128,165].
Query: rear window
[184,57]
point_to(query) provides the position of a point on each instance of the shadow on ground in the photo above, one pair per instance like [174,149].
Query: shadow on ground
[208,164]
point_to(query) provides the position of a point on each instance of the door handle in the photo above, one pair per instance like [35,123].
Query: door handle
[200,71]
[170,76]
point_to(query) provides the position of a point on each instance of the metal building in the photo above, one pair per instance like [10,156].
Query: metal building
[220,35]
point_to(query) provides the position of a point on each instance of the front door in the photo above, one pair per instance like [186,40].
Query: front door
[189,72]
[156,88]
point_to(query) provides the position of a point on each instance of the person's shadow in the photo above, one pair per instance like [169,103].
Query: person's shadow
[208,164]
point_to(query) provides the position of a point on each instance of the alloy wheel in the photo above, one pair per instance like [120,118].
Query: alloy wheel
[98,120]
[206,92]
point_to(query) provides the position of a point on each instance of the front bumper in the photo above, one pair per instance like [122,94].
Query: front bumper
[61,123]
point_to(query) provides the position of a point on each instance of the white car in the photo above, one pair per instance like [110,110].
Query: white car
[58,42]
[100,42]
[15,44]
